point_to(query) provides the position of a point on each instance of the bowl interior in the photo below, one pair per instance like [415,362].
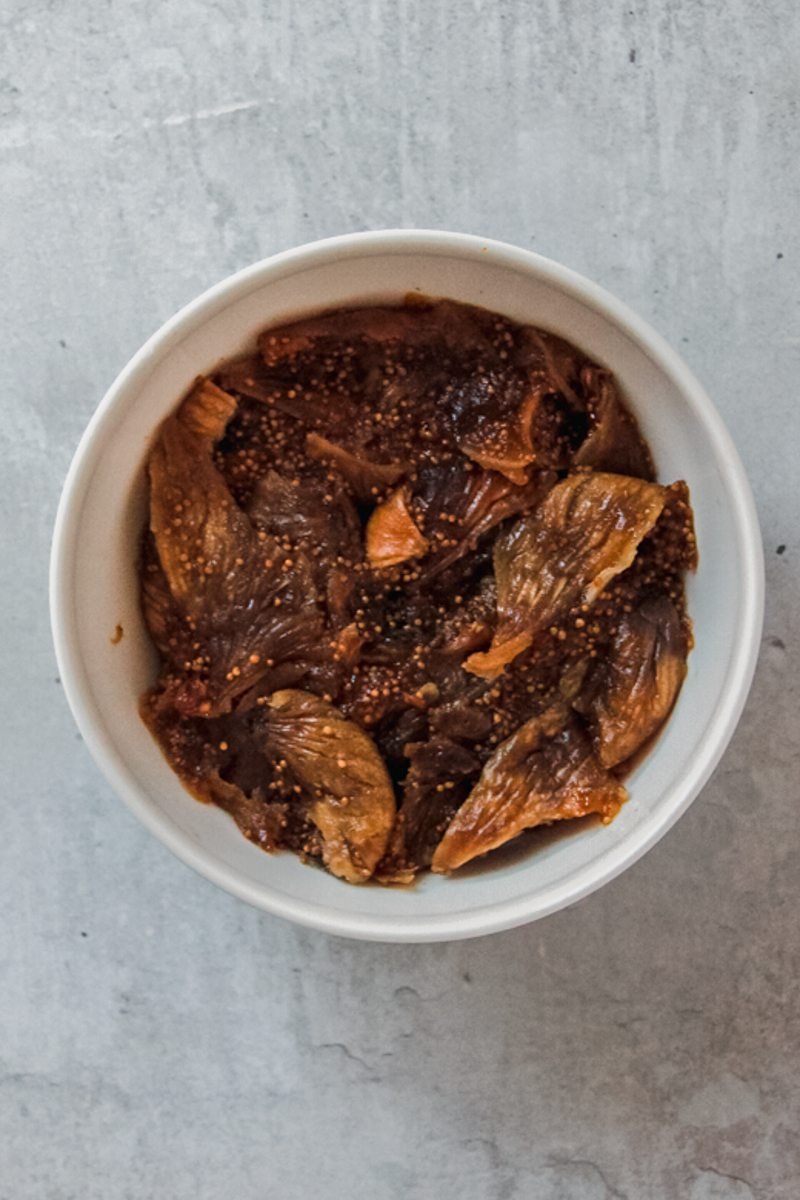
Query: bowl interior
[96,587]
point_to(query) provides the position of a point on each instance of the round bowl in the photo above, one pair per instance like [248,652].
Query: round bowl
[94,584]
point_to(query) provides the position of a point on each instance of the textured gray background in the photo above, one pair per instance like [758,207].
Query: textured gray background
[158,1038]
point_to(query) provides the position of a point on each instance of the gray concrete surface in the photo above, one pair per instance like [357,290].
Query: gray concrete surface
[159,1039]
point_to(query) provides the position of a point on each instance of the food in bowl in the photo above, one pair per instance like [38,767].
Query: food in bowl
[414,588]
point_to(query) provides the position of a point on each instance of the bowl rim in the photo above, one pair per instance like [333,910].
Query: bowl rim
[447,926]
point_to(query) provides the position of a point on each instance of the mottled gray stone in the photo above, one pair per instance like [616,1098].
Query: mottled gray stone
[159,1039]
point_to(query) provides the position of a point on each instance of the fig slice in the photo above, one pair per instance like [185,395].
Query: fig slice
[337,764]
[546,771]
[585,531]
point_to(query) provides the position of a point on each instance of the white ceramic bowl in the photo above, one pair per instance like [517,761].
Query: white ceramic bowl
[94,582]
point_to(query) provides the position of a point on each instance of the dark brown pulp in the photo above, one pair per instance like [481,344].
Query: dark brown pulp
[413,587]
